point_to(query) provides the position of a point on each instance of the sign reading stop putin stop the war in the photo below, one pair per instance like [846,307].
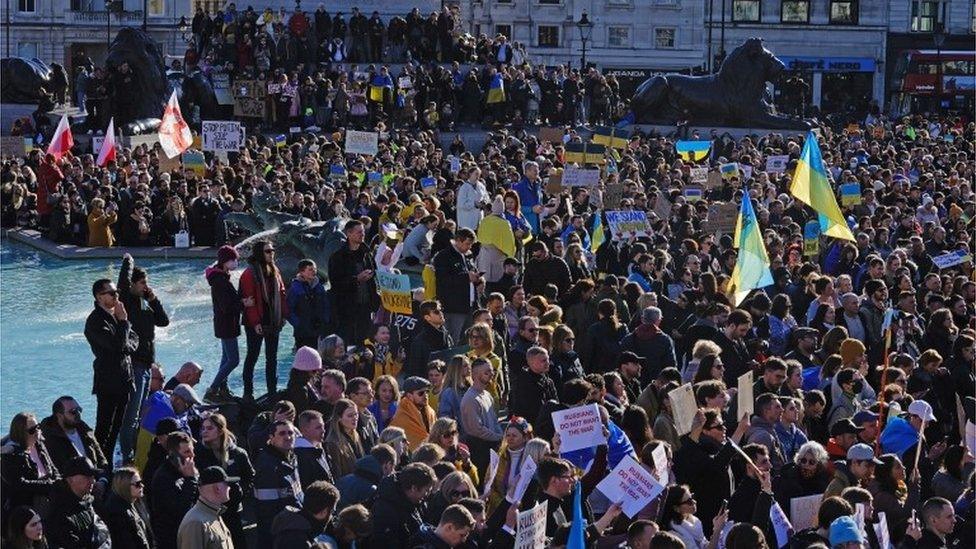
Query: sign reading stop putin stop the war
[579,427]
[394,292]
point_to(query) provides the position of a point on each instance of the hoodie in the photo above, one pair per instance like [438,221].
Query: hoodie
[227,305]
[360,485]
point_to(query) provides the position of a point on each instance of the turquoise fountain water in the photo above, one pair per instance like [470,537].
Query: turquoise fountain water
[44,302]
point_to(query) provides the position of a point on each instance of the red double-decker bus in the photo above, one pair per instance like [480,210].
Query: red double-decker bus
[919,84]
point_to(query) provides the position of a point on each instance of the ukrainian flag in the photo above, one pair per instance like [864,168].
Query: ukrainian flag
[378,87]
[752,266]
[811,186]
[693,151]
[281,140]
[616,138]
[496,91]
[584,153]
[599,236]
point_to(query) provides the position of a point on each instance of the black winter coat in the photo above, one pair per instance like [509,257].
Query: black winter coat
[293,528]
[112,342]
[564,367]
[395,519]
[126,524]
[539,272]
[172,496]
[144,315]
[312,463]
[531,391]
[227,305]
[19,477]
[60,448]
[426,340]
[349,293]
[72,522]
[453,285]
[704,467]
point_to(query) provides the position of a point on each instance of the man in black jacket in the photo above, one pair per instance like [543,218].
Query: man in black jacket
[112,341]
[71,521]
[430,337]
[312,463]
[398,510]
[351,273]
[545,269]
[376,31]
[204,213]
[297,528]
[458,282]
[64,431]
[174,489]
[145,314]
[534,387]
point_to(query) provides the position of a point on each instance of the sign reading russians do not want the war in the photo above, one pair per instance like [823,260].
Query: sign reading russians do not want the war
[579,427]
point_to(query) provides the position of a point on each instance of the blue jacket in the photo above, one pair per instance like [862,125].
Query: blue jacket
[360,485]
[530,196]
[308,311]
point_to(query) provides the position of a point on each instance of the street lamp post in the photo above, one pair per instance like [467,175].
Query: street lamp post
[585,28]
[939,37]
[109,6]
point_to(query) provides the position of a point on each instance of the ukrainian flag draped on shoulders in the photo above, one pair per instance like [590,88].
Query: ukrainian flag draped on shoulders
[752,266]
[811,186]
[378,87]
[496,89]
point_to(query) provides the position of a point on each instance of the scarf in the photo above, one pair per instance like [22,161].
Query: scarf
[690,530]
[273,301]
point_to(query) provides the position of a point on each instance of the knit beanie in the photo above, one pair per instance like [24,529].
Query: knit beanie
[844,530]
[850,349]
[307,359]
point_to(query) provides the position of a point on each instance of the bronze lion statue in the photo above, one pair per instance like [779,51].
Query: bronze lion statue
[735,96]
[24,80]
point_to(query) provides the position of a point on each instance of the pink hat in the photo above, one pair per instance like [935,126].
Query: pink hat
[307,359]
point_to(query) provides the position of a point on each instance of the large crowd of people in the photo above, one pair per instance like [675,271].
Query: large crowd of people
[410,430]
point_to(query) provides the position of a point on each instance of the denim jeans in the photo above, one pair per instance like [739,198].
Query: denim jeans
[130,420]
[230,357]
[254,340]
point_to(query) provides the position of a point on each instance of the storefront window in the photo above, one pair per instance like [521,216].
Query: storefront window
[843,12]
[796,11]
[925,14]
[746,11]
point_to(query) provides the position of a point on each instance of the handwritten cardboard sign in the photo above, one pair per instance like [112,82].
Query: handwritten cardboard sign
[531,527]
[394,292]
[684,407]
[698,175]
[803,511]
[625,224]
[222,135]
[721,217]
[951,259]
[660,457]
[358,142]
[579,427]
[580,177]
[777,163]
[745,399]
[612,195]
[249,98]
[525,477]
[630,484]
[552,135]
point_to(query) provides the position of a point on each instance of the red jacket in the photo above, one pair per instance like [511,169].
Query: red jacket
[48,178]
[249,288]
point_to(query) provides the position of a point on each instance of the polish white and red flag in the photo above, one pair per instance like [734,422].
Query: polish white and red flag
[107,153]
[174,133]
[62,141]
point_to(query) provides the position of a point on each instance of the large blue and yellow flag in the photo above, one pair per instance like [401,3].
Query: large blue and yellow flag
[496,90]
[617,138]
[752,266]
[812,187]
[693,151]
[378,87]
[599,236]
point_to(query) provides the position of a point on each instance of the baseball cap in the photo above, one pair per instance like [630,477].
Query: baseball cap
[79,465]
[629,357]
[844,427]
[864,416]
[862,452]
[187,393]
[415,383]
[215,474]
[921,409]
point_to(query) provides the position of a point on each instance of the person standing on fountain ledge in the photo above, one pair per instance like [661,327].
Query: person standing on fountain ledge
[352,275]
[264,317]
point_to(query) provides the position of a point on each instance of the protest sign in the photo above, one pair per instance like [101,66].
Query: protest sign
[493,460]
[612,195]
[698,175]
[684,408]
[428,184]
[525,477]
[881,529]
[221,87]
[13,146]
[850,194]
[553,135]
[531,527]
[859,510]
[394,292]
[337,173]
[951,259]
[781,524]
[777,163]
[194,161]
[626,224]
[630,484]
[249,98]
[374,178]
[713,180]
[455,164]
[803,511]
[554,185]
[167,164]
[660,458]
[693,193]
[579,427]
[222,135]
[746,171]
[404,82]
[663,206]
[358,142]
[721,217]
[745,399]
[811,238]
[580,177]
[729,170]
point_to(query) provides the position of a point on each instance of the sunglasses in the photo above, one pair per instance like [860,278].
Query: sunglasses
[717,426]
[138,483]
[807,461]
[109,292]
[460,494]
[33,429]
[75,412]
[451,433]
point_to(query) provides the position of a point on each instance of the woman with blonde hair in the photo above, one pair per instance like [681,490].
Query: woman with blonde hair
[218,446]
[444,433]
[387,395]
[453,488]
[483,346]
[342,444]
[511,456]
[457,379]
[125,512]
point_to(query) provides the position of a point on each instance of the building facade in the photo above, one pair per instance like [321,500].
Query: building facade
[630,38]
[55,30]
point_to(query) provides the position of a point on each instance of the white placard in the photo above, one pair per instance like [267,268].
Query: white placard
[746,171]
[625,224]
[580,177]
[684,407]
[803,511]
[781,524]
[698,175]
[777,164]
[222,135]
[951,259]
[493,460]
[881,529]
[531,531]
[660,457]
[525,477]
[358,142]
[631,485]
[579,427]
[455,164]
[745,399]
